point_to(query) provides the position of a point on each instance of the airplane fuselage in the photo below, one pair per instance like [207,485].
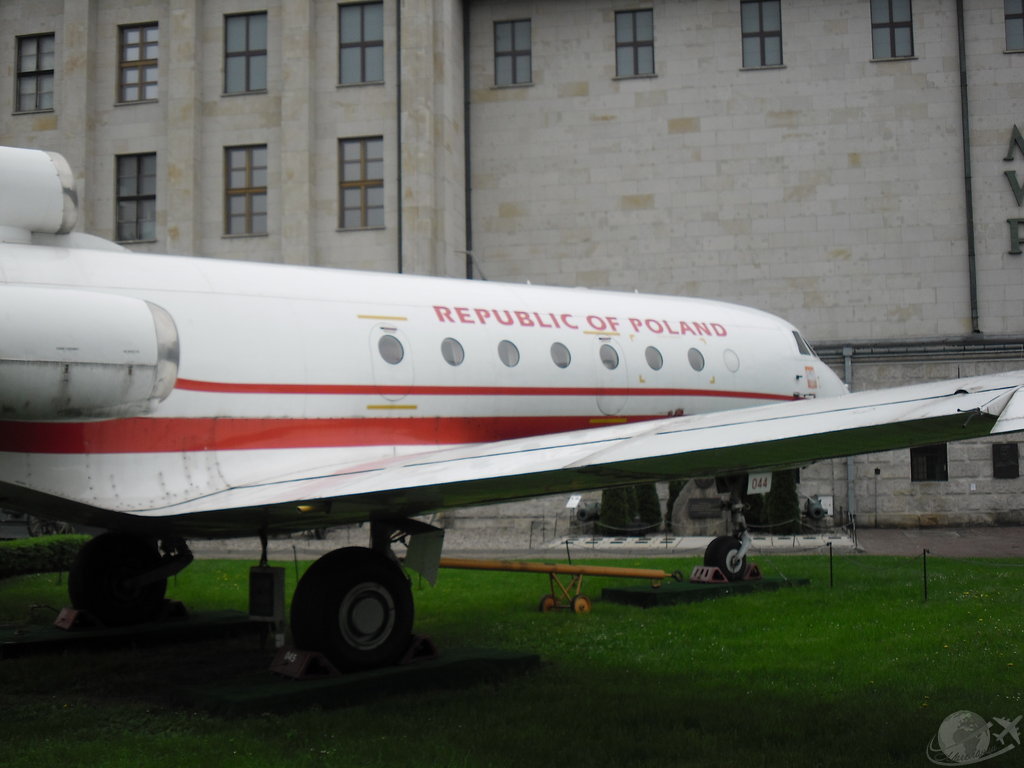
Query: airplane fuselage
[230,372]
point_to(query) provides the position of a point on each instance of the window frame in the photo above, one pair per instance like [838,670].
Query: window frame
[37,75]
[929,463]
[761,35]
[140,65]
[634,44]
[363,183]
[892,26]
[249,192]
[138,199]
[249,53]
[364,44]
[1017,18]
[515,54]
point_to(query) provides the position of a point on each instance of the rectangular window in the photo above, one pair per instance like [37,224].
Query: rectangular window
[36,54]
[361,177]
[1005,461]
[1014,14]
[761,31]
[361,37]
[245,53]
[512,52]
[136,197]
[634,43]
[245,190]
[892,29]
[137,78]
[928,463]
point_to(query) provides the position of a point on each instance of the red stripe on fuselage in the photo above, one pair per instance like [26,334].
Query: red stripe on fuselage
[145,435]
[192,385]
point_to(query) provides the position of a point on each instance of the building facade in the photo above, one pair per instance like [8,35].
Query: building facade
[856,167]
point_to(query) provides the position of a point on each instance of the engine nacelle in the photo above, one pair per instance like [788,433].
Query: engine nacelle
[37,194]
[70,354]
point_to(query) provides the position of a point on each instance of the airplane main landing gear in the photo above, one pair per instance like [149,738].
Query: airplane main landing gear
[355,606]
[120,579]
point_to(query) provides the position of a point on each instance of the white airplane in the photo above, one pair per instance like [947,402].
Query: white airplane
[165,397]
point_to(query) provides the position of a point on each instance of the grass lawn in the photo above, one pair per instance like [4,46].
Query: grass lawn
[859,674]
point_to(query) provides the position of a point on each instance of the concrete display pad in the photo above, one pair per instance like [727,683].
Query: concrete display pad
[672,593]
[267,692]
[33,639]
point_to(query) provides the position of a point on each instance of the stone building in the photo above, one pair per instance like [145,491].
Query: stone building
[855,166]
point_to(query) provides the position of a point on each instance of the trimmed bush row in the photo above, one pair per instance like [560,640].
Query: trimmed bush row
[45,554]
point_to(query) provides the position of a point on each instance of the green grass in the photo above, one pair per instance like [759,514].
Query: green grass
[861,674]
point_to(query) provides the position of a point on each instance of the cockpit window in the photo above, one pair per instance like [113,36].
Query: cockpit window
[803,346]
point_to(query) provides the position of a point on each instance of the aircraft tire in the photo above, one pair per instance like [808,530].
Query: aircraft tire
[98,576]
[721,553]
[354,606]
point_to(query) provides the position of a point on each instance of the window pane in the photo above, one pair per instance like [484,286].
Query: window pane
[901,10]
[234,74]
[259,203]
[375,217]
[374,170]
[772,51]
[131,76]
[258,32]
[352,198]
[258,73]
[750,20]
[374,64]
[1014,34]
[351,65]
[236,205]
[391,349]
[502,37]
[880,43]
[623,27]
[624,62]
[609,357]
[259,177]
[375,197]
[259,224]
[503,70]
[373,21]
[523,73]
[654,358]
[234,27]
[508,353]
[771,17]
[645,25]
[696,359]
[880,11]
[751,52]
[1013,6]
[352,219]
[560,355]
[45,99]
[645,61]
[522,34]
[904,42]
[351,23]
[452,352]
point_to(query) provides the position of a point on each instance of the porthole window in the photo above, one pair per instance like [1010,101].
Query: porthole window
[654,358]
[609,357]
[732,360]
[560,354]
[452,352]
[391,349]
[508,353]
[696,359]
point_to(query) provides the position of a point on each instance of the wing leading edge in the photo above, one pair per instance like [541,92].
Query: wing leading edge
[761,438]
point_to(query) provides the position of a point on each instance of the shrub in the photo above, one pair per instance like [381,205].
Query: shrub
[41,555]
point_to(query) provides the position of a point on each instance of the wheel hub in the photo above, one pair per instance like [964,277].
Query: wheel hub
[366,616]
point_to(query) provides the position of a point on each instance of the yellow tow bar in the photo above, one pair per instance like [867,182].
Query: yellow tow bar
[564,595]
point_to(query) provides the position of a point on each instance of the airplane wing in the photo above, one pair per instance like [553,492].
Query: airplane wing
[752,439]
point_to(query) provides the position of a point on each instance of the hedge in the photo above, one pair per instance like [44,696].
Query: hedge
[44,554]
